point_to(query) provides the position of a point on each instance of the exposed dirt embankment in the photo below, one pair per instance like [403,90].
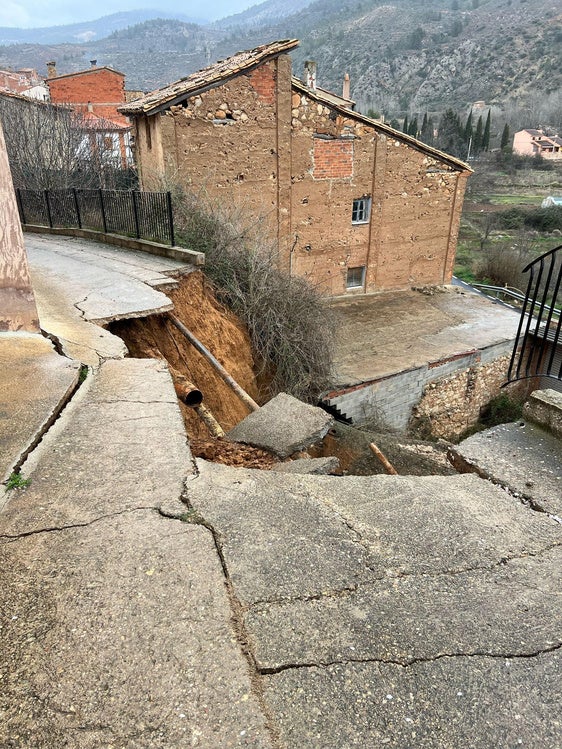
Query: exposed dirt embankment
[196,305]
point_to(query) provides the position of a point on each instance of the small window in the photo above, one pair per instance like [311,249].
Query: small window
[361,211]
[355,277]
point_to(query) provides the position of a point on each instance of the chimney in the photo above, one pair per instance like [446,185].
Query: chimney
[346,87]
[93,63]
[90,107]
[52,69]
[310,74]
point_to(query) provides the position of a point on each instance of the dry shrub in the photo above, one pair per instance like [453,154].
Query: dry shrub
[290,325]
[503,261]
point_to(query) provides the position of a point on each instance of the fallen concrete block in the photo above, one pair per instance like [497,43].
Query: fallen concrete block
[283,426]
[310,465]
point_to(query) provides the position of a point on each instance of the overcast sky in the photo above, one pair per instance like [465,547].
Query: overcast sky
[37,13]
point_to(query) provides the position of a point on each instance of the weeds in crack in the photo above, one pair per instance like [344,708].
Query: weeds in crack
[16,481]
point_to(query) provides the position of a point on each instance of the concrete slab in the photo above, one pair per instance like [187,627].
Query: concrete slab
[35,383]
[387,610]
[419,617]
[121,445]
[287,536]
[101,293]
[118,634]
[522,456]
[382,334]
[316,466]
[283,426]
[454,703]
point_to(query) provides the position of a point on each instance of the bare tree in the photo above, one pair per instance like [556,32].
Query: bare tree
[48,147]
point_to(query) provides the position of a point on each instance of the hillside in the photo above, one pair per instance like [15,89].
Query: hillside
[406,54]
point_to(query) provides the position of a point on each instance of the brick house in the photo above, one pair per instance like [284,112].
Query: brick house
[100,90]
[353,204]
[531,142]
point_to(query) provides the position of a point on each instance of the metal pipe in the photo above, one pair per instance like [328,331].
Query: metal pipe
[188,393]
[242,394]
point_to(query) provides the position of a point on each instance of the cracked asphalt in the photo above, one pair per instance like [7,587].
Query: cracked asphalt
[150,601]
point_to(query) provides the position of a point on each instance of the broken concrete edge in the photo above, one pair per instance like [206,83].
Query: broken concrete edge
[316,466]
[142,245]
[25,456]
[462,464]
[282,426]
[104,321]
[544,408]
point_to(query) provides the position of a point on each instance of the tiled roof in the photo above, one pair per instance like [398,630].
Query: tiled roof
[214,74]
[91,121]
[380,127]
[84,72]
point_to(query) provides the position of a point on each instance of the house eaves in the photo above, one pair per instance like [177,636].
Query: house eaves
[84,72]
[205,79]
[382,128]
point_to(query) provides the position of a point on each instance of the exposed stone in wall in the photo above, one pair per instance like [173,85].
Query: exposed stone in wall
[297,164]
[451,405]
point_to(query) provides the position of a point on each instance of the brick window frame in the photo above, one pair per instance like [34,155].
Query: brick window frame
[355,277]
[361,210]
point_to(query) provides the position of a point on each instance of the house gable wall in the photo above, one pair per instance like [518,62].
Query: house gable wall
[256,143]
[103,88]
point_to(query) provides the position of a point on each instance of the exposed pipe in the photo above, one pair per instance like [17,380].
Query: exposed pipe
[188,393]
[388,467]
[209,420]
[242,394]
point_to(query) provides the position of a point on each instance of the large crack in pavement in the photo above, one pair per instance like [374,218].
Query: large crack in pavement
[407,663]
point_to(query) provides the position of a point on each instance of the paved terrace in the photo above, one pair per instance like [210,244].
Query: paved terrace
[382,334]
[150,601]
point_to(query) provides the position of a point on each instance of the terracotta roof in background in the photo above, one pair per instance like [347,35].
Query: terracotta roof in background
[214,74]
[91,121]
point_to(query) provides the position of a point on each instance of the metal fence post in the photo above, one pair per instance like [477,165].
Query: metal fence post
[100,191]
[136,213]
[77,208]
[48,207]
[170,218]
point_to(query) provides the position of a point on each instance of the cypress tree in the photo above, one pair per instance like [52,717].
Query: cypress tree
[506,139]
[468,128]
[405,125]
[486,136]
[477,142]
[413,129]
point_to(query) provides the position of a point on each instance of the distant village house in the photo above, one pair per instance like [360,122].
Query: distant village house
[531,142]
[354,205]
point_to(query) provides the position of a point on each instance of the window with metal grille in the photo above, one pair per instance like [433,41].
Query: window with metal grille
[361,211]
[355,277]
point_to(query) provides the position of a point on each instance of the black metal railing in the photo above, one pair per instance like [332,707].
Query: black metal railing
[538,347]
[142,215]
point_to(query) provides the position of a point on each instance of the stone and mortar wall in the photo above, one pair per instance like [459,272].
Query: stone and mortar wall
[279,155]
[442,398]
[415,213]
[104,89]
[223,144]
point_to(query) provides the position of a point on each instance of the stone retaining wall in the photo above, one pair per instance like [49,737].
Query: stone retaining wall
[442,398]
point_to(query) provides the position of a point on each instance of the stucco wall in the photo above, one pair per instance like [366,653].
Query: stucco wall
[17,303]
